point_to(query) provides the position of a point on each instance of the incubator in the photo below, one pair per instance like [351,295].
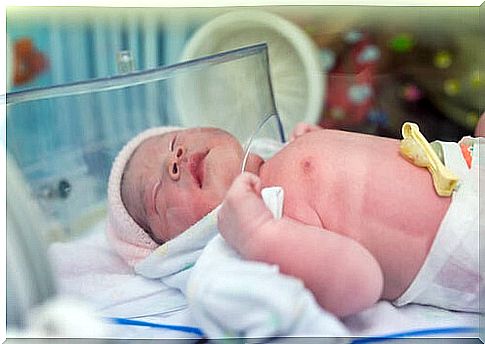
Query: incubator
[61,142]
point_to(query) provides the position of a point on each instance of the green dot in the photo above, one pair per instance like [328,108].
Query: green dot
[402,43]
[475,79]
[443,59]
[472,119]
[451,87]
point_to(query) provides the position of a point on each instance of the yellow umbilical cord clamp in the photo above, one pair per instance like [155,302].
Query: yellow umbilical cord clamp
[417,149]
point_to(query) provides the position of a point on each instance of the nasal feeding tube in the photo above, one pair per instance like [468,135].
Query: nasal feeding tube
[261,124]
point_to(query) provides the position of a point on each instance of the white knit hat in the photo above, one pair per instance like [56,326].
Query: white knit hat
[131,242]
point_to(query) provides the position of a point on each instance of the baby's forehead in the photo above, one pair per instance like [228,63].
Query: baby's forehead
[146,155]
[153,144]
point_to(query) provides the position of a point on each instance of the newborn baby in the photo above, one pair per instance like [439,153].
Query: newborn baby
[360,223]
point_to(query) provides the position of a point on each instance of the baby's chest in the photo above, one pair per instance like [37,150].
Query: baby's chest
[346,190]
[303,178]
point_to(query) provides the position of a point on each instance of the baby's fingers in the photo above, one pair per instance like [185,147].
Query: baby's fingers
[245,183]
[301,129]
[243,210]
[243,200]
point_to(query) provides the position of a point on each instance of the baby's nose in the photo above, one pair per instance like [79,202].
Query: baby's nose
[174,163]
[179,151]
[174,169]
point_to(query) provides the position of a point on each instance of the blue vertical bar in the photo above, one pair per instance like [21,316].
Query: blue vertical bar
[118,105]
[134,93]
[57,109]
[101,47]
[151,61]
[175,39]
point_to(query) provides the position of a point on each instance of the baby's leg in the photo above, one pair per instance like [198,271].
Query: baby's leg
[344,277]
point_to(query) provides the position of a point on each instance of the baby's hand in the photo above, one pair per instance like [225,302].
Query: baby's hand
[303,128]
[243,212]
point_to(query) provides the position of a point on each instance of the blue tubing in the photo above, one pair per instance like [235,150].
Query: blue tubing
[376,339]
[425,332]
[187,329]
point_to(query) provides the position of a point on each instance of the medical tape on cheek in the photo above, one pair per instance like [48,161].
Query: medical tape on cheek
[418,150]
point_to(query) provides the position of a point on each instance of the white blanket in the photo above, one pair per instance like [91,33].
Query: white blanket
[232,297]
[89,269]
[229,296]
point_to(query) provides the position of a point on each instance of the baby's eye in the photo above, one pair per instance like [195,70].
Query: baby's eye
[171,145]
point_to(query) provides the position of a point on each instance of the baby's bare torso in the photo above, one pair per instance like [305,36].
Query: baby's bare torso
[359,186]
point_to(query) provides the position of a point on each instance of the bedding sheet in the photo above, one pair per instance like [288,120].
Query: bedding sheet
[88,269]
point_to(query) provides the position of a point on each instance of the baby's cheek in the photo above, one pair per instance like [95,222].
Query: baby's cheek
[179,220]
[184,214]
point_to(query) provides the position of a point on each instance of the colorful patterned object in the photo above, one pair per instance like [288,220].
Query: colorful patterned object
[352,82]
[466,146]
[28,62]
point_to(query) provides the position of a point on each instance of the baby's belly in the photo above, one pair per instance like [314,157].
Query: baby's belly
[359,186]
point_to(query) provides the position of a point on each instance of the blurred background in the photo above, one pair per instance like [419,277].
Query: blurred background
[383,65]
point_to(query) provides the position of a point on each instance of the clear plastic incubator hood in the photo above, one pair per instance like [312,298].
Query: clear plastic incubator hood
[64,138]
[61,141]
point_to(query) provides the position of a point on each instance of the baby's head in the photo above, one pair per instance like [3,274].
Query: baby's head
[165,180]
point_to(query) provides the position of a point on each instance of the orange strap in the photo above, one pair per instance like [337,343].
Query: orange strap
[467,151]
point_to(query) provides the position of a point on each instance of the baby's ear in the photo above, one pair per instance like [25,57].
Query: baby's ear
[155,228]
[154,222]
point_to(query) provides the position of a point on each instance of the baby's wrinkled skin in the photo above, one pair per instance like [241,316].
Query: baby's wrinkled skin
[358,219]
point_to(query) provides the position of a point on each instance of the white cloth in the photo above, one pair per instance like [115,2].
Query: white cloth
[90,269]
[172,262]
[232,297]
[384,319]
[450,277]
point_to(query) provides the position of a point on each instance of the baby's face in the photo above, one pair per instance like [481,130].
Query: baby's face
[181,176]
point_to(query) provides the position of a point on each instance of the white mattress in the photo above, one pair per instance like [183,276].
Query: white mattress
[90,270]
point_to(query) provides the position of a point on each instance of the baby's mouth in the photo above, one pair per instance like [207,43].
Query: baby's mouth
[196,167]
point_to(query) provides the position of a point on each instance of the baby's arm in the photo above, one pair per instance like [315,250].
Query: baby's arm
[344,277]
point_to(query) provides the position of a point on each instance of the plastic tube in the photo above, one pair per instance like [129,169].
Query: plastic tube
[416,333]
[186,329]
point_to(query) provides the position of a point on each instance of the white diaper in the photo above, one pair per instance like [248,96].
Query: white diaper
[450,276]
